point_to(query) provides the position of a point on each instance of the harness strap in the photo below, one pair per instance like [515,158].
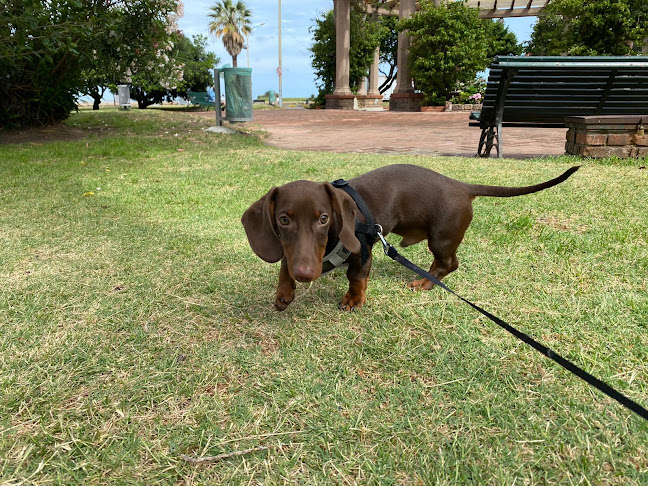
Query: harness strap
[335,258]
[366,232]
[392,253]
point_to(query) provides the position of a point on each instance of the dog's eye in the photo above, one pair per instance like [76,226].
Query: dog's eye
[284,220]
[324,218]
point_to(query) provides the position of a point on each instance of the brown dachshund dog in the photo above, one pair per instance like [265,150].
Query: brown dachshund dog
[299,222]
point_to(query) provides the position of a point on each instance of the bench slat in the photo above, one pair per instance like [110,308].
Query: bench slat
[568,64]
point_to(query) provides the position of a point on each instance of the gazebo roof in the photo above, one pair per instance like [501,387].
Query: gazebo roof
[489,9]
[495,9]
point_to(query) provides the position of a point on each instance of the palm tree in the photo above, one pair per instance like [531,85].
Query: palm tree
[231,21]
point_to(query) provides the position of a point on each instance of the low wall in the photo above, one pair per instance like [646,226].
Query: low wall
[462,107]
[405,101]
[369,101]
[339,102]
[607,136]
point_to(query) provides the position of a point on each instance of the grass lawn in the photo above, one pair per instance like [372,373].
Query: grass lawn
[136,324]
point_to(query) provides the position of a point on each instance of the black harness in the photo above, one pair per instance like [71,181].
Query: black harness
[367,232]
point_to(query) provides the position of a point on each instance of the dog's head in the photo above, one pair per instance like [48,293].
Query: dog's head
[296,220]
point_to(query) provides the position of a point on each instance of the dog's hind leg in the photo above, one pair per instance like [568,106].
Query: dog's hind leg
[440,268]
[443,243]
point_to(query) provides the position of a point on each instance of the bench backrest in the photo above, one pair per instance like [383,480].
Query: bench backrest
[198,97]
[547,89]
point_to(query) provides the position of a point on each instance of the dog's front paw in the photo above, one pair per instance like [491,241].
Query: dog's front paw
[352,301]
[284,298]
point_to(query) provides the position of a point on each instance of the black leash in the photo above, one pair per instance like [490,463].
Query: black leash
[391,252]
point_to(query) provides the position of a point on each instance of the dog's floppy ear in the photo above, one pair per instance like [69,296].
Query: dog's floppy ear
[345,209]
[259,225]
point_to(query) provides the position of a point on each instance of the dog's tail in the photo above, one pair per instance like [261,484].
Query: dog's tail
[499,191]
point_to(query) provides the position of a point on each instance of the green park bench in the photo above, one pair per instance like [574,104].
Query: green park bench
[531,91]
[200,98]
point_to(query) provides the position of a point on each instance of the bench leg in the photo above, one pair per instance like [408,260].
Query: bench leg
[487,142]
[499,140]
[482,140]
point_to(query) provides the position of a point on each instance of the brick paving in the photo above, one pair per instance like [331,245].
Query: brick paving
[390,132]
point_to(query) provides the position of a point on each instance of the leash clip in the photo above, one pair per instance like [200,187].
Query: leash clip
[386,246]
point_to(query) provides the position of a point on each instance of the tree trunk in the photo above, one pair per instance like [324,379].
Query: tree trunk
[97,101]
[234,61]
[389,80]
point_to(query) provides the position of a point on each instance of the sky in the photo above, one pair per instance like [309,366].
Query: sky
[297,16]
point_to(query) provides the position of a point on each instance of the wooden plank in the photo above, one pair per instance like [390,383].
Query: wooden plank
[572,64]
[506,13]
[570,58]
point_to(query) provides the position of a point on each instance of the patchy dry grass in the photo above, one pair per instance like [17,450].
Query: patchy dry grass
[136,324]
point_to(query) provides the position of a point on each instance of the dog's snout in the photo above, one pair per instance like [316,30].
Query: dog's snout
[304,273]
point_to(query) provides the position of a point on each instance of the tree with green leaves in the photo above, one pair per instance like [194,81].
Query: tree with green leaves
[231,22]
[366,35]
[502,42]
[198,64]
[600,28]
[52,51]
[117,60]
[450,45]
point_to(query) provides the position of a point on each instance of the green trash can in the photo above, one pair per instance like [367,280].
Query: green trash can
[238,94]
[272,97]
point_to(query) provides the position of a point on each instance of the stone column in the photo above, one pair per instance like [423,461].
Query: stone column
[404,98]
[373,73]
[342,98]
[362,86]
[371,98]
[403,78]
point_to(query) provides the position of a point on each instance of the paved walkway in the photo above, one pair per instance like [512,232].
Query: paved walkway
[397,133]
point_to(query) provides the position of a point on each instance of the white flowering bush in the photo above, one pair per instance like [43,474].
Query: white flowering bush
[138,53]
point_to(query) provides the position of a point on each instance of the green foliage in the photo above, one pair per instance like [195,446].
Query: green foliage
[503,42]
[198,64]
[450,45]
[366,35]
[603,27]
[231,22]
[51,51]
[39,60]
[323,54]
